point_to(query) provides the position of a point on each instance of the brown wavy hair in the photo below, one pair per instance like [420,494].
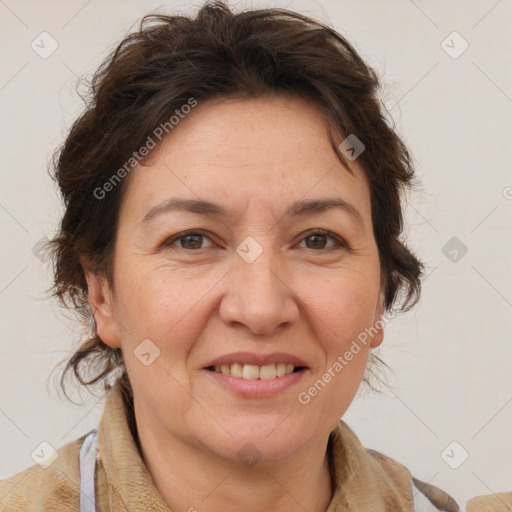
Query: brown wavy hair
[216,54]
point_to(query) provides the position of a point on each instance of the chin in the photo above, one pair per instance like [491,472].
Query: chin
[258,442]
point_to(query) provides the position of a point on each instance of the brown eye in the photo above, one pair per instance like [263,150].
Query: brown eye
[190,241]
[317,240]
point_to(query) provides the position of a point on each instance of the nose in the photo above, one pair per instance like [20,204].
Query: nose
[259,293]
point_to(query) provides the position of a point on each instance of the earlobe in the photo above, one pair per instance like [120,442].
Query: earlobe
[378,326]
[100,302]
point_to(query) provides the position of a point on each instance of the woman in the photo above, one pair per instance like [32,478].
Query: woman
[232,234]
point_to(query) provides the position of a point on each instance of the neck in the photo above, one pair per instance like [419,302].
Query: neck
[191,478]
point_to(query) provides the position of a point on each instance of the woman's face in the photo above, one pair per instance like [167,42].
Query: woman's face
[259,285]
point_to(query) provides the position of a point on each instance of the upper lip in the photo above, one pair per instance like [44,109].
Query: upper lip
[257,359]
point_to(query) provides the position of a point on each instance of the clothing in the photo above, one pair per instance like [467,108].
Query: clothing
[87,468]
[112,477]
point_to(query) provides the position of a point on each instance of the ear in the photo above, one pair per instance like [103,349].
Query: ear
[378,324]
[100,301]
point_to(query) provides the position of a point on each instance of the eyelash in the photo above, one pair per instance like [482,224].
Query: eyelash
[340,243]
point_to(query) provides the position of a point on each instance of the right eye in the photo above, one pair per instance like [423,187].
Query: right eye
[191,238]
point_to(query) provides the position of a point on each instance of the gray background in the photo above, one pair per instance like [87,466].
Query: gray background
[451,355]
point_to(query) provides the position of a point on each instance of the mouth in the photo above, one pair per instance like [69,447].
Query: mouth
[256,375]
[255,372]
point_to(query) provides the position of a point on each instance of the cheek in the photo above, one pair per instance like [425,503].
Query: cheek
[156,308]
[342,316]
[342,306]
[347,312]
[156,304]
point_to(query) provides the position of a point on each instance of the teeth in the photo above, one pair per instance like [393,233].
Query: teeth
[280,369]
[252,371]
[236,370]
[268,371]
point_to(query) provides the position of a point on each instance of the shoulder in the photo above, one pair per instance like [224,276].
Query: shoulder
[383,479]
[56,487]
[426,497]
[498,502]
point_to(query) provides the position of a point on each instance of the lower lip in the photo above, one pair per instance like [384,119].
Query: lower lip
[257,388]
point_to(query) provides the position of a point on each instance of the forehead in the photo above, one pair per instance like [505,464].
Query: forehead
[266,152]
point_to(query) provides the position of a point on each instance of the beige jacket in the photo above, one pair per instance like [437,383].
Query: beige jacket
[366,480]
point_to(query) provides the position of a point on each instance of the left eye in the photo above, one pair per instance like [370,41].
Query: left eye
[194,238]
[315,236]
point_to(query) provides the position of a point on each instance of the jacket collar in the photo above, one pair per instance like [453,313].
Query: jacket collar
[366,480]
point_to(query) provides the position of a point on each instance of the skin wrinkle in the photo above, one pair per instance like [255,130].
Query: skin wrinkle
[308,302]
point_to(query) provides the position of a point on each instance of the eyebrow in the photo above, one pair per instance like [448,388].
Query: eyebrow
[208,209]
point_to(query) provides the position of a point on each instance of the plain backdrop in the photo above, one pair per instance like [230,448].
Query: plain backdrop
[447,81]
